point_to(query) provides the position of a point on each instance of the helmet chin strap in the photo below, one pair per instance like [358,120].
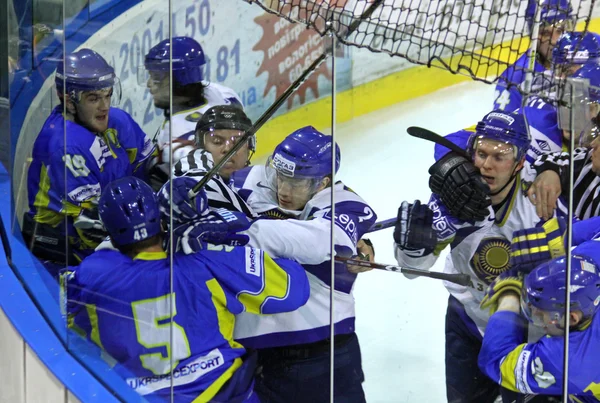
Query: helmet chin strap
[512,176]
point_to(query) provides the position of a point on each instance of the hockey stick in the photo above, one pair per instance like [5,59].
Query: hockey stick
[382,225]
[460,279]
[278,102]
[425,134]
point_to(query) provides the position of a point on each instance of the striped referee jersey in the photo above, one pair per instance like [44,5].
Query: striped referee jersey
[220,195]
[586,188]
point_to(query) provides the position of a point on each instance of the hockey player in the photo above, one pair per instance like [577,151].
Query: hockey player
[556,18]
[192,97]
[74,156]
[537,368]
[294,189]
[166,323]
[480,248]
[552,180]
[543,123]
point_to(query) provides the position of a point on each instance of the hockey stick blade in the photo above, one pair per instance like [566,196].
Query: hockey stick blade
[278,102]
[378,226]
[425,134]
[460,279]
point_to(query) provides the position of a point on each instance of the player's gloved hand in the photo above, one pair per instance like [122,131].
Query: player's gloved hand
[508,281]
[366,252]
[460,187]
[219,227]
[89,227]
[413,232]
[184,208]
[534,246]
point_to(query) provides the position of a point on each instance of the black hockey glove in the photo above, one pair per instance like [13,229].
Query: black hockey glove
[413,232]
[460,187]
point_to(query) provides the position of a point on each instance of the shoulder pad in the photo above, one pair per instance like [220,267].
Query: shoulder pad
[193,117]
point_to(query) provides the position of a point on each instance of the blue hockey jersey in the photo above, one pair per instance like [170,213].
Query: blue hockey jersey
[70,165]
[124,305]
[537,368]
[507,97]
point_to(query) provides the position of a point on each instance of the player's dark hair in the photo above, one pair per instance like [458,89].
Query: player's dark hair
[193,91]
[134,249]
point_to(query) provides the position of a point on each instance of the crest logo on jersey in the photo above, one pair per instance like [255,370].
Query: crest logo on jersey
[543,145]
[283,165]
[194,117]
[491,258]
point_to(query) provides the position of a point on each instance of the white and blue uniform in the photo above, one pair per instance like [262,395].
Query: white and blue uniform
[305,237]
[482,251]
[183,123]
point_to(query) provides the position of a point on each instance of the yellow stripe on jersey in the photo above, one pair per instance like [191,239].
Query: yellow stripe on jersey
[43,214]
[594,388]
[151,255]
[508,367]
[556,243]
[93,315]
[536,249]
[506,213]
[226,318]
[440,246]
[275,284]
[214,388]
[226,324]
[530,237]
[131,153]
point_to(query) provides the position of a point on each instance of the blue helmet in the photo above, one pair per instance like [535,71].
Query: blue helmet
[84,70]
[577,48]
[544,287]
[129,211]
[305,154]
[591,72]
[509,128]
[553,12]
[188,59]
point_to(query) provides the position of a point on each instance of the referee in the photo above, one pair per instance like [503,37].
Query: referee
[552,181]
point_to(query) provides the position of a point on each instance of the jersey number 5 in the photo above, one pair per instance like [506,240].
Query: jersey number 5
[153,321]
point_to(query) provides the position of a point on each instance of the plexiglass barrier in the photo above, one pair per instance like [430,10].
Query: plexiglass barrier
[227,291]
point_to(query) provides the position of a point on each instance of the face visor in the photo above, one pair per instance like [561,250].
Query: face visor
[577,112]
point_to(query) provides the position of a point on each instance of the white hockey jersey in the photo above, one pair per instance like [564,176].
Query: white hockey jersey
[306,239]
[183,123]
[480,250]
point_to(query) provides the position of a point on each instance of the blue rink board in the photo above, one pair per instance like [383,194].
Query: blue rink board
[37,332]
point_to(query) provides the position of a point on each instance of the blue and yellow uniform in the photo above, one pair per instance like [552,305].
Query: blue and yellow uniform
[537,368]
[125,309]
[507,97]
[70,165]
